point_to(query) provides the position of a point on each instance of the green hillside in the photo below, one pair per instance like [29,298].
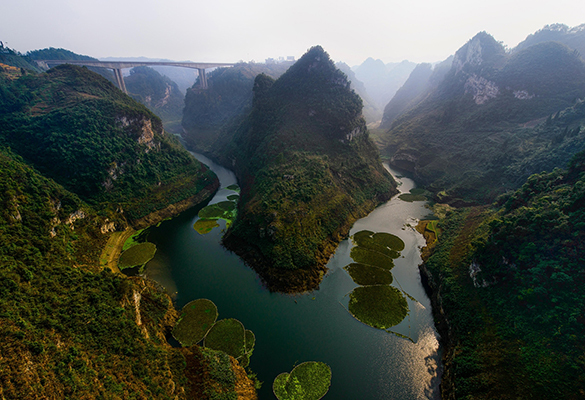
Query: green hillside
[75,127]
[211,115]
[307,169]
[79,159]
[466,138]
[159,93]
[507,285]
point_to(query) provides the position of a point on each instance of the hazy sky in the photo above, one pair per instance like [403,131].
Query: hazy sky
[232,30]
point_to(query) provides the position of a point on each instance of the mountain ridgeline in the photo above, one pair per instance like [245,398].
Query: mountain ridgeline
[483,128]
[307,169]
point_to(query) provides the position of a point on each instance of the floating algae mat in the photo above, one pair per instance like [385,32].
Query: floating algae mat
[415,194]
[227,335]
[198,322]
[375,302]
[137,256]
[225,210]
[364,275]
[379,306]
[197,318]
[307,381]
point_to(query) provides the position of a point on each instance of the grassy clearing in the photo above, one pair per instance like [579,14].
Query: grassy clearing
[368,275]
[136,238]
[370,257]
[379,306]
[307,381]
[137,255]
[203,226]
[227,335]
[197,318]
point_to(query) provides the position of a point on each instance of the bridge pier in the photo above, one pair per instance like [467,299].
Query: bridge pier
[202,78]
[120,79]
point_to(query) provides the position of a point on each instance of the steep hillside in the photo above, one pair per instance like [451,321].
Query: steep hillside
[466,137]
[52,53]
[75,127]
[157,92]
[307,169]
[209,114]
[408,94]
[69,328]
[574,37]
[371,112]
[507,289]
[383,80]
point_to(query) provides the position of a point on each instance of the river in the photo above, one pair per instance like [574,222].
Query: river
[366,363]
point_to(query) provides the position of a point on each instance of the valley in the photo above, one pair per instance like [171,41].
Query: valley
[397,230]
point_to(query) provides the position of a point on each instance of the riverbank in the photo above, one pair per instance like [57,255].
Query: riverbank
[114,246]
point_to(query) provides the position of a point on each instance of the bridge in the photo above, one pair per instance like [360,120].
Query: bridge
[118,66]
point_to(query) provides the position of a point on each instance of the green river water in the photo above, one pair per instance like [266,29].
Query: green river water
[366,363]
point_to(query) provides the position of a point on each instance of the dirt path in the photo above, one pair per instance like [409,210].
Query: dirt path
[112,250]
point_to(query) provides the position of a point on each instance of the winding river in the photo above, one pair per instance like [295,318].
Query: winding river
[366,363]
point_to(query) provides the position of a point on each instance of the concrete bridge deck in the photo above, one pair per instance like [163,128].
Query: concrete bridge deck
[118,66]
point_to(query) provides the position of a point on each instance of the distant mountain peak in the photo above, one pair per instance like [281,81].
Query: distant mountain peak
[480,50]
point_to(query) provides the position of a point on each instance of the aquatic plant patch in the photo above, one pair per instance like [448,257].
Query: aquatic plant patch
[412,197]
[227,335]
[389,240]
[197,318]
[235,188]
[382,242]
[366,256]
[364,275]
[137,255]
[223,209]
[233,197]
[203,226]
[308,381]
[380,306]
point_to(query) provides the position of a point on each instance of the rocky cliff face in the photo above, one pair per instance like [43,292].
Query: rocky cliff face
[472,127]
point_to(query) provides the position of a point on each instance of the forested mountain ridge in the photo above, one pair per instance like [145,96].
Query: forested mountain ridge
[210,116]
[78,129]
[307,169]
[574,37]
[78,160]
[466,137]
[159,93]
[507,288]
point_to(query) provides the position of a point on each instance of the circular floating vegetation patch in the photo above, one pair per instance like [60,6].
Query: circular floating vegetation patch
[378,306]
[197,318]
[227,335]
[388,240]
[366,256]
[364,275]
[233,197]
[250,341]
[203,226]
[307,381]
[137,255]
[235,188]
[412,197]
[382,242]
[222,210]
